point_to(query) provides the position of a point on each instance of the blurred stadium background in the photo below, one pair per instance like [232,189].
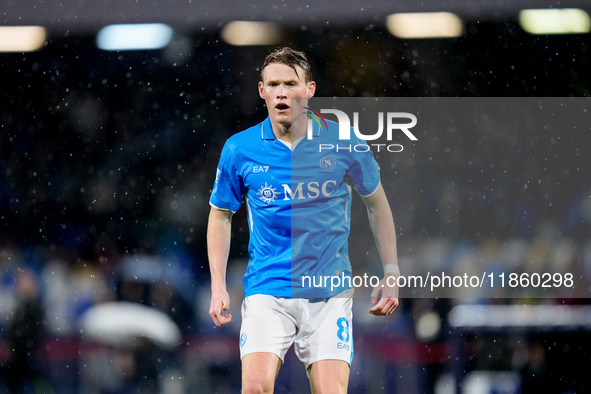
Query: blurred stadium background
[108,158]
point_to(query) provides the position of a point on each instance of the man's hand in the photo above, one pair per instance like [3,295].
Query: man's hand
[220,303]
[389,300]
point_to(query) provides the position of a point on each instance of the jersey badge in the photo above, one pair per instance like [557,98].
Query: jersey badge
[328,163]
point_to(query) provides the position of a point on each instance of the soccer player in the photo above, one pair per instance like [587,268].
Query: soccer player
[298,203]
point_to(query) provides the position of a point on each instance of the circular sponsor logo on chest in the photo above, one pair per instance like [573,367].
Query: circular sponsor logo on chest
[268,193]
[328,163]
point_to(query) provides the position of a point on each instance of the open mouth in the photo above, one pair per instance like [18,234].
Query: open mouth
[282,107]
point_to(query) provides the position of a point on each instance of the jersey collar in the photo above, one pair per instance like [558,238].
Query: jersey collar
[267,130]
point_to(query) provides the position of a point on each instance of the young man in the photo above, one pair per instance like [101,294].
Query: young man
[298,202]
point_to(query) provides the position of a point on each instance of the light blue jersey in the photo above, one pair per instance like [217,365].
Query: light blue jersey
[299,207]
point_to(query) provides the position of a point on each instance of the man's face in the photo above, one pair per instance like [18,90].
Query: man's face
[280,83]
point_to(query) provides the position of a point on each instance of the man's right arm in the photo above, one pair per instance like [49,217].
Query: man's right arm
[219,231]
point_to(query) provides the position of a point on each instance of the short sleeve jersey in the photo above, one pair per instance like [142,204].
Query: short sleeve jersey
[298,204]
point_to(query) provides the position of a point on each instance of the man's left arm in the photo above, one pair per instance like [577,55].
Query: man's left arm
[382,227]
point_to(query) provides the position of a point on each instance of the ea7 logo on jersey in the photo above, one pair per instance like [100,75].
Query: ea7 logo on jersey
[256,169]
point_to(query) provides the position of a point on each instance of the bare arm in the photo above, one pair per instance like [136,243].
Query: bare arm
[382,227]
[219,231]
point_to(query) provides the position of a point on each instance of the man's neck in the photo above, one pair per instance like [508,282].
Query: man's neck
[289,133]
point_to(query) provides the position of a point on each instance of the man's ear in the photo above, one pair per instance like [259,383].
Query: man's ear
[311,89]
[261,90]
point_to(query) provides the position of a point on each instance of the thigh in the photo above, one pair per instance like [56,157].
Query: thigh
[329,376]
[259,371]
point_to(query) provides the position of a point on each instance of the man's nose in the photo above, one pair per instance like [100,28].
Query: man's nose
[282,91]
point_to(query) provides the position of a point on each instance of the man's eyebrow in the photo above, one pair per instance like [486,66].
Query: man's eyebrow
[282,81]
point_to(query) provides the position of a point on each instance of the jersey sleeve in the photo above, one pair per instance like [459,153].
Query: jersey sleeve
[228,187]
[364,172]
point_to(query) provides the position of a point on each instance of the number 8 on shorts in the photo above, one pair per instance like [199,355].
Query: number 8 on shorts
[343,331]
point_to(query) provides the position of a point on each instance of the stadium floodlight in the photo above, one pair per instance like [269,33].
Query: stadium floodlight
[21,38]
[251,33]
[555,21]
[129,37]
[425,25]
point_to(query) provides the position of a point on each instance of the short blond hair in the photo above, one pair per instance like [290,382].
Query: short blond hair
[291,58]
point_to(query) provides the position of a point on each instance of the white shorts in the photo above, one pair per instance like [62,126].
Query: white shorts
[320,328]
